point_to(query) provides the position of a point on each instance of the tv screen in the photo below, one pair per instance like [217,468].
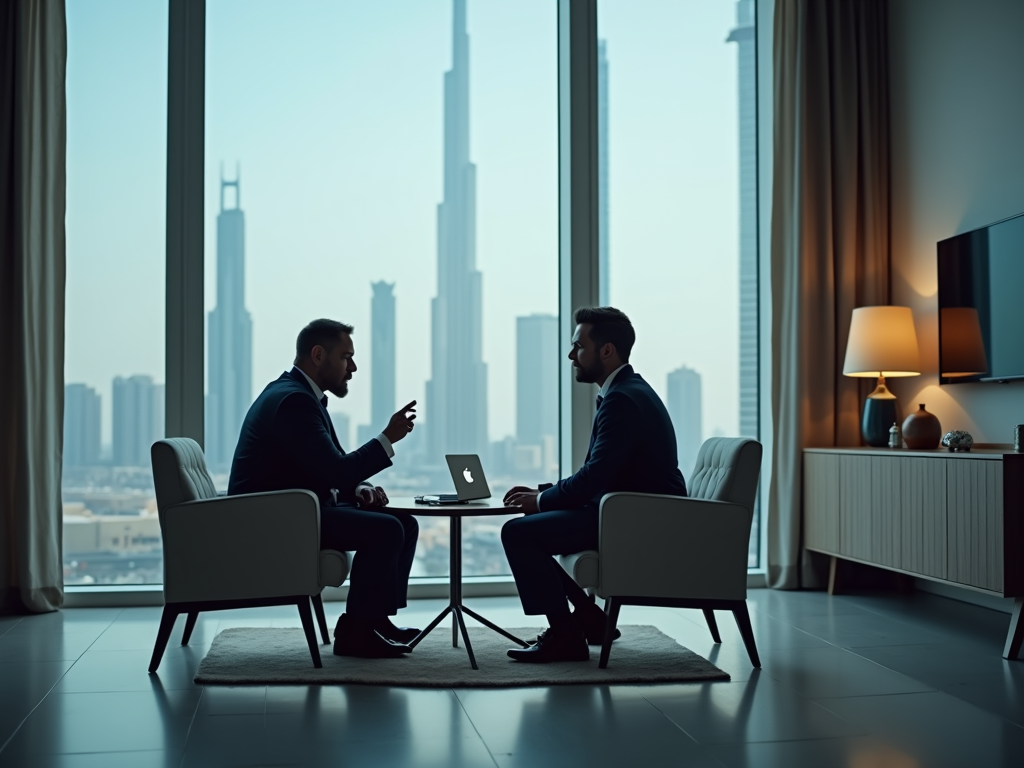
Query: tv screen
[981,304]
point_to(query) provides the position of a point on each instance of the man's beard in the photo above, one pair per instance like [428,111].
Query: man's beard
[589,375]
[341,390]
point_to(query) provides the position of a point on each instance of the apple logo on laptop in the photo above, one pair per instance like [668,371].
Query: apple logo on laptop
[468,475]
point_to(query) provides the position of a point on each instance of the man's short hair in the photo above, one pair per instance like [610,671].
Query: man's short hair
[608,325]
[322,332]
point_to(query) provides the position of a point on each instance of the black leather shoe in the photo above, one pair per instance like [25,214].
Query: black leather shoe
[553,646]
[364,642]
[593,622]
[400,635]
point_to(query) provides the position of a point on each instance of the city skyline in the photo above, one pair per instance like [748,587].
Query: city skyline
[346,187]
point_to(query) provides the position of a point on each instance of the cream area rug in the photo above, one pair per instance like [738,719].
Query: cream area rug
[273,655]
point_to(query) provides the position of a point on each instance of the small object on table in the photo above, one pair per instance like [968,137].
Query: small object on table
[958,441]
[1018,438]
[895,438]
[921,430]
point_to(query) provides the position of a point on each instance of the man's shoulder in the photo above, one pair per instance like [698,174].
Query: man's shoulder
[281,389]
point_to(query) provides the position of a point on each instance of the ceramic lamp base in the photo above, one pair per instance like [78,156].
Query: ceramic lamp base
[879,416]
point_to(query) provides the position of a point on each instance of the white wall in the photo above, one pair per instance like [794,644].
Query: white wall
[957,80]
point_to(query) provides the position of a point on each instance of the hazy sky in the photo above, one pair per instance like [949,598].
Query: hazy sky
[333,110]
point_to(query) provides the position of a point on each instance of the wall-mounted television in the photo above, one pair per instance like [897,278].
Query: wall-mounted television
[981,304]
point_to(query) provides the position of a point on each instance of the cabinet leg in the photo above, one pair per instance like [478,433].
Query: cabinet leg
[833,576]
[1015,634]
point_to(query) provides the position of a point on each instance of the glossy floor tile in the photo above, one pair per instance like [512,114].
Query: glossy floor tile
[869,679]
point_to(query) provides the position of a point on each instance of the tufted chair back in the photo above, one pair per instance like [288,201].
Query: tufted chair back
[179,472]
[727,470]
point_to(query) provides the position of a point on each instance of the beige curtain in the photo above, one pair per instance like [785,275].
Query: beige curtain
[830,239]
[33,54]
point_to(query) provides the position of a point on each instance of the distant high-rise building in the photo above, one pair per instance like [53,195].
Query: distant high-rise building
[229,367]
[382,354]
[604,265]
[456,395]
[744,36]
[343,429]
[684,407]
[81,426]
[138,419]
[537,361]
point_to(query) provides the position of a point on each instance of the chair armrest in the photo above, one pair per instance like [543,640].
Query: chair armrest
[234,547]
[674,547]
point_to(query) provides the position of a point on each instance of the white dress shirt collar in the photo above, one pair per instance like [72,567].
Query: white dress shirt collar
[608,382]
[316,390]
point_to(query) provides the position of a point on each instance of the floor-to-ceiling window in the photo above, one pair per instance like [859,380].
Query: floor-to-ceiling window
[114,359]
[392,166]
[678,207]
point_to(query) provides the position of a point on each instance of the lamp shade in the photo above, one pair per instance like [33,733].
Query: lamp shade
[882,342]
[961,349]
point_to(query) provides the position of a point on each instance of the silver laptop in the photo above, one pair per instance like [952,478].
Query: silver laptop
[468,476]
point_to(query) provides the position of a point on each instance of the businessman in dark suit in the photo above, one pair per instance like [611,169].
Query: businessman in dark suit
[632,448]
[288,441]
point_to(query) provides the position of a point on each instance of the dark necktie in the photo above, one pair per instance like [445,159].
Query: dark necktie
[599,399]
[323,401]
[330,425]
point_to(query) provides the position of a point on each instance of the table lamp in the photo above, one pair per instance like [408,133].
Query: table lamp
[962,350]
[882,343]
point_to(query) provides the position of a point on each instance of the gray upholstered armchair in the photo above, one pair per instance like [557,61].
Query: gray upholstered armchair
[224,552]
[680,552]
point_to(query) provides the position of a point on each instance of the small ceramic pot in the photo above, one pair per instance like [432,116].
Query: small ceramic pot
[921,430]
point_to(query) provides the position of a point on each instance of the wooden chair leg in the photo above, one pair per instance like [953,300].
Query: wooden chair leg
[190,624]
[163,634]
[318,609]
[1015,634]
[612,605]
[307,626]
[747,632]
[709,615]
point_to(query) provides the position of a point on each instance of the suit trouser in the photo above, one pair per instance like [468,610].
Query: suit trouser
[531,541]
[385,543]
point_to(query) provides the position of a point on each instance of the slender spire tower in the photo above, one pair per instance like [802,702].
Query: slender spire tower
[229,346]
[456,412]
[743,36]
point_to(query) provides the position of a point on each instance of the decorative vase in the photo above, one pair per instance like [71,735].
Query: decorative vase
[922,430]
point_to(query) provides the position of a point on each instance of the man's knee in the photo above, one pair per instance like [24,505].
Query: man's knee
[514,532]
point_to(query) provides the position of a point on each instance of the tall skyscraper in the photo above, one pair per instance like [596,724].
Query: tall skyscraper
[382,354]
[684,407]
[81,426]
[537,361]
[138,418]
[604,282]
[456,412]
[343,429]
[229,367]
[743,36]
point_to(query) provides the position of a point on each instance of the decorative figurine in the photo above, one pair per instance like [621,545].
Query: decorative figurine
[895,438]
[958,440]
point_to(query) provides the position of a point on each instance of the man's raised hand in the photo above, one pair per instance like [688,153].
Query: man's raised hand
[401,423]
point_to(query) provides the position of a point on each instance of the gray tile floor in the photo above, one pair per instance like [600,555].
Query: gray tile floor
[872,680]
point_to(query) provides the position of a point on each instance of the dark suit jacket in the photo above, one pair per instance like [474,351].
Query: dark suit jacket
[632,448]
[288,441]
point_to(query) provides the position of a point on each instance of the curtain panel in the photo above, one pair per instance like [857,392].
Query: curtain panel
[829,239]
[33,57]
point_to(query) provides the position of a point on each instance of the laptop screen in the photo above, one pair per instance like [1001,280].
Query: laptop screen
[468,476]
